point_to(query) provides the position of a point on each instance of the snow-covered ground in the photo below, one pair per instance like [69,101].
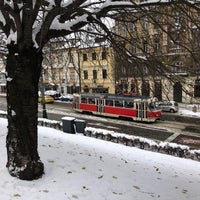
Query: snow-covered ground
[188,110]
[78,167]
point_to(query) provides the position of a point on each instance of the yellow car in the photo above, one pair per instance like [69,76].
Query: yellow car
[48,99]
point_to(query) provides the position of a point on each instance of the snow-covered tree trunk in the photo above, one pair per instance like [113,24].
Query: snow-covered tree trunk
[23,72]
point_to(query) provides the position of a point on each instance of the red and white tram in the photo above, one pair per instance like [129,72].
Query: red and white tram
[137,108]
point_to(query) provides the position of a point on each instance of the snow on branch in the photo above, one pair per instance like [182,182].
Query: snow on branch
[67,26]
[50,18]
[9,3]
[2,19]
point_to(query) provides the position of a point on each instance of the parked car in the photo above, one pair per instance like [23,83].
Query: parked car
[53,94]
[48,99]
[67,97]
[168,106]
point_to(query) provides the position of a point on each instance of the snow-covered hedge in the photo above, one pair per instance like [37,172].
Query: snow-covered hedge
[3,114]
[173,149]
[50,123]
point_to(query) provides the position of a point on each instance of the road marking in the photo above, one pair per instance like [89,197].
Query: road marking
[103,125]
[172,137]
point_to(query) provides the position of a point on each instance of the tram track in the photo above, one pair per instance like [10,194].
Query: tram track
[162,130]
[121,126]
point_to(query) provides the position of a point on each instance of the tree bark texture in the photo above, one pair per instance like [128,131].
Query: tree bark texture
[23,72]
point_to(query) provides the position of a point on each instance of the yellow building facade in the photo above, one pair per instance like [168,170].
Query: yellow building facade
[97,71]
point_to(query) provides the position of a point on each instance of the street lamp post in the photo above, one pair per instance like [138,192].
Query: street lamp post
[44,111]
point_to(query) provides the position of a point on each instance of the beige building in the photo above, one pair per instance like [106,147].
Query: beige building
[164,60]
[72,70]
[164,53]
[61,68]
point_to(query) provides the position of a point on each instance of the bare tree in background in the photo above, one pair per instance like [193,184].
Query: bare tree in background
[59,53]
[162,42]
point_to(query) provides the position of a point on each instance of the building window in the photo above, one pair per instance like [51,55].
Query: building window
[72,75]
[156,21]
[178,67]
[135,70]
[122,28]
[2,77]
[133,86]
[177,23]
[85,89]
[133,27]
[94,56]
[123,68]
[145,70]
[144,24]
[177,45]
[104,74]
[124,86]
[158,89]
[197,88]
[84,57]
[103,55]
[145,46]
[133,47]
[158,70]
[85,73]
[157,46]
[94,74]
[146,88]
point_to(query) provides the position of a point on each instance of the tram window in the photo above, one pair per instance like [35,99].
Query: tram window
[83,100]
[151,106]
[118,104]
[129,104]
[109,102]
[91,101]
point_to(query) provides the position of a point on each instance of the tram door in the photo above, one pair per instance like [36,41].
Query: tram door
[141,110]
[100,105]
[77,100]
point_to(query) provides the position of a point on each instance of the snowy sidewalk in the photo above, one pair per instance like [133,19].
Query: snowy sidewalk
[78,167]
